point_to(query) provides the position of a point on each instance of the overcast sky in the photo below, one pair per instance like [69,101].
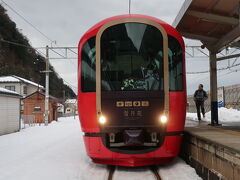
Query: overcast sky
[66,21]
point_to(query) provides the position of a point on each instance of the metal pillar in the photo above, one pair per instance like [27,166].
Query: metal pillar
[129,6]
[213,88]
[46,89]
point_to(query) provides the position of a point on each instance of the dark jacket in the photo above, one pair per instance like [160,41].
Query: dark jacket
[200,95]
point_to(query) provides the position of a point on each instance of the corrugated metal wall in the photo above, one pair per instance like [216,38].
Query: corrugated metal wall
[9,114]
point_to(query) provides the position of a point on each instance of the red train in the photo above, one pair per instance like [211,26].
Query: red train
[132,91]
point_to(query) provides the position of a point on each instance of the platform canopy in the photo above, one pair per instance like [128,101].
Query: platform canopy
[215,23]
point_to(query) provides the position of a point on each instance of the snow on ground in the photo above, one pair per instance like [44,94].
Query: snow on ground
[176,170]
[57,152]
[133,173]
[225,115]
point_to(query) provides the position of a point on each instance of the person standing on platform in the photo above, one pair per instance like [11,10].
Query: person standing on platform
[199,97]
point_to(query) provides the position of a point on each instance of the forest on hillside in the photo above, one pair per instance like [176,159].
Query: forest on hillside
[22,60]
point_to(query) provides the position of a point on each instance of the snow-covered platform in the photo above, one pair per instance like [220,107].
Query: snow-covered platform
[213,151]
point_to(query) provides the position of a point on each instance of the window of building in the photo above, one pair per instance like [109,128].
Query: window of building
[24,89]
[37,109]
[22,107]
[11,88]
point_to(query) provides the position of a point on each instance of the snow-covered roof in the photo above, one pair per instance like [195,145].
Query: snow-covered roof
[8,92]
[43,94]
[70,101]
[14,78]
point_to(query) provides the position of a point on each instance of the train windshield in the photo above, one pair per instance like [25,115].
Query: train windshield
[132,58]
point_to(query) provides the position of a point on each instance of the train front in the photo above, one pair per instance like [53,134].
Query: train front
[129,70]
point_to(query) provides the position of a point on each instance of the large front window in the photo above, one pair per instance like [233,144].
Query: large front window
[131,60]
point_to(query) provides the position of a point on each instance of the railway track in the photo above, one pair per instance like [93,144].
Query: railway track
[111,170]
[154,170]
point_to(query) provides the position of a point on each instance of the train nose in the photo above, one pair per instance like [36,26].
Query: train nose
[133,137]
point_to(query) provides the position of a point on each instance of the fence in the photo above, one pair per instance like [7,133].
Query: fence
[231,98]
[29,120]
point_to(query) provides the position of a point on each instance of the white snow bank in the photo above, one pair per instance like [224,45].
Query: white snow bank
[57,152]
[53,152]
[8,79]
[14,78]
[224,115]
[8,91]
[178,170]
[133,173]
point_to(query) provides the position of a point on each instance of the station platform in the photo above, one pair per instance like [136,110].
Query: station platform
[213,151]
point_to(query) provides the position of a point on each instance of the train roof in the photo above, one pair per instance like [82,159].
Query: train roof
[94,29]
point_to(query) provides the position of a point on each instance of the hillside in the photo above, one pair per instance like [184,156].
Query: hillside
[23,61]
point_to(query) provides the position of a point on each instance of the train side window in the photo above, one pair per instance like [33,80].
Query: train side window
[88,61]
[175,65]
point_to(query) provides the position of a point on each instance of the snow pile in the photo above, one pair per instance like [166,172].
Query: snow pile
[178,170]
[8,91]
[133,173]
[53,152]
[224,115]
[57,152]
[14,78]
[71,101]
[8,79]
[27,81]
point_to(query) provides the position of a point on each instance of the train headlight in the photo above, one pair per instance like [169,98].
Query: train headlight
[102,119]
[163,119]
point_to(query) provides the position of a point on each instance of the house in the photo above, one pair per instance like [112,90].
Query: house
[10,120]
[60,108]
[34,106]
[20,85]
[71,106]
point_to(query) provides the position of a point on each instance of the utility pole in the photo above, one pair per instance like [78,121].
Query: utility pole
[47,71]
[47,88]
[129,6]
[64,96]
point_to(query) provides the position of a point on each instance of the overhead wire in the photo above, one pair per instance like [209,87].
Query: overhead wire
[22,45]
[30,47]
[28,22]
[43,34]
[220,69]
[48,38]
[33,26]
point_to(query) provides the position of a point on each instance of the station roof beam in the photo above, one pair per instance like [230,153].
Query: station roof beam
[214,22]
